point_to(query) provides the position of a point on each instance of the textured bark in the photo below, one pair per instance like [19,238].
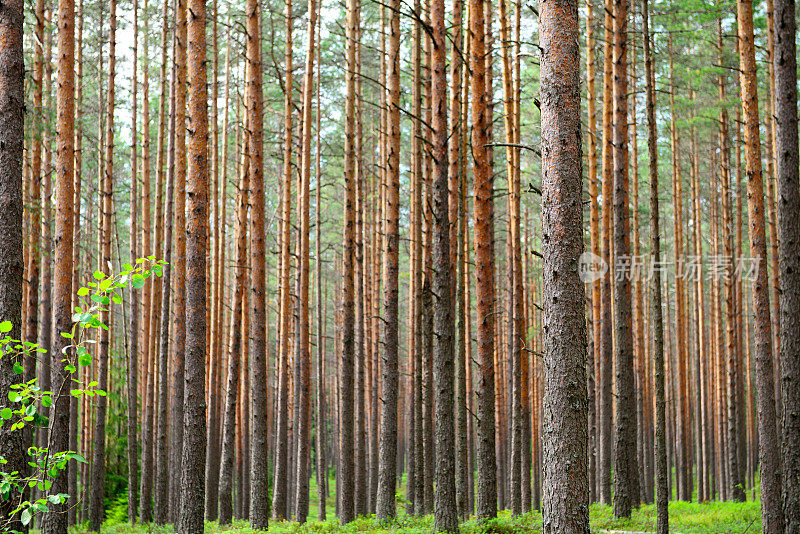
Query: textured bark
[457,216]
[179,265]
[303,357]
[387,454]
[194,422]
[98,459]
[259,506]
[31,327]
[133,318]
[74,423]
[12,137]
[606,325]
[789,242]
[594,239]
[321,420]
[626,481]
[445,509]
[662,492]
[281,478]
[565,409]
[64,220]
[769,449]
[345,476]
[162,444]
[486,485]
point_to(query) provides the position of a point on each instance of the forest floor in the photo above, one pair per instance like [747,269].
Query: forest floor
[685,518]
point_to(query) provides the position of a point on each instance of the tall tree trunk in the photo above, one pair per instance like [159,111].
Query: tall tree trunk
[72,486]
[179,265]
[99,457]
[259,507]
[236,343]
[446,511]
[789,240]
[303,354]
[133,301]
[626,471]
[662,492]
[594,239]
[194,422]
[281,478]
[606,324]
[166,166]
[769,450]
[12,138]
[565,410]
[64,220]
[486,487]
[387,455]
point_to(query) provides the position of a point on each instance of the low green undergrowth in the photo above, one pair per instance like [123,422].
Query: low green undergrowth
[685,518]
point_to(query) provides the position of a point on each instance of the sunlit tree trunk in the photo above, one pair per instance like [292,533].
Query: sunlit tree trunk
[769,453]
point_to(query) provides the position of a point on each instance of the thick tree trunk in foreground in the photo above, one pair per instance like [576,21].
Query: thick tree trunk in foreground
[194,422]
[565,435]
[387,454]
[789,243]
[486,485]
[769,449]
[12,136]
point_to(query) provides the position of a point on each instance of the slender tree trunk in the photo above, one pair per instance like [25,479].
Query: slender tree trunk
[789,240]
[133,298]
[606,324]
[259,509]
[179,264]
[565,410]
[626,481]
[162,444]
[387,456]
[446,511]
[99,458]
[486,487]
[662,492]
[281,478]
[303,363]
[64,220]
[769,450]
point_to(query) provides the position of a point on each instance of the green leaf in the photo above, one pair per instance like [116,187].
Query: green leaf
[18,368]
[100,392]
[82,292]
[98,275]
[5,326]
[85,359]
[138,281]
[127,267]
[117,299]
[5,413]
[47,401]
[67,335]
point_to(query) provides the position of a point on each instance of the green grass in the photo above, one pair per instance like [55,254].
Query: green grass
[685,518]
